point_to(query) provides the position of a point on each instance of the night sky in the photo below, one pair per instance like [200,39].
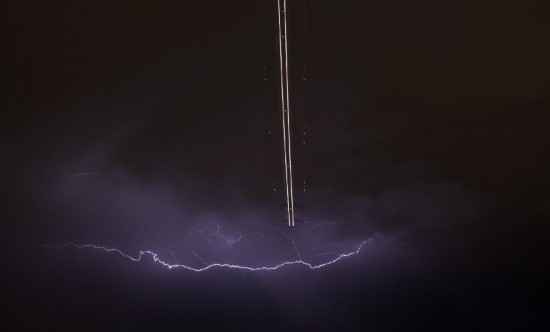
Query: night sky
[147,125]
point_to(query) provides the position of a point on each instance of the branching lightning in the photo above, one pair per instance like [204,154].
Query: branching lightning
[214,230]
[286,236]
[156,259]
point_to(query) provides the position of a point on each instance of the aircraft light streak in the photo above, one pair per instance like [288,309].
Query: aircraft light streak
[285,107]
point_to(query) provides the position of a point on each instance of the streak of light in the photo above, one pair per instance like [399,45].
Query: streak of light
[157,260]
[285,235]
[285,107]
[198,257]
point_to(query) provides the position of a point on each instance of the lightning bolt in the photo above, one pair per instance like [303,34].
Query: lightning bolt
[214,230]
[285,235]
[156,259]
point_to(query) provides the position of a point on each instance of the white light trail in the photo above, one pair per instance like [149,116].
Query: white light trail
[285,107]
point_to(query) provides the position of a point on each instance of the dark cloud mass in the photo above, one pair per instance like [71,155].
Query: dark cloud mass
[155,125]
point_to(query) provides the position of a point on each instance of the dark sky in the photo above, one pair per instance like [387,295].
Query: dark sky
[124,123]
